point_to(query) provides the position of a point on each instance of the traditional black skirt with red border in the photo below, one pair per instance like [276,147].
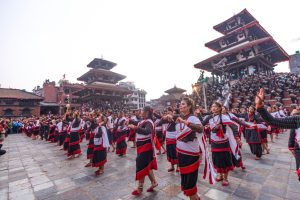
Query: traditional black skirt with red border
[51,135]
[160,137]
[87,135]
[254,139]
[67,142]
[42,132]
[131,136]
[56,136]
[297,158]
[90,149]
[256,149]
[62,137]
[145,160]
[264,136]
[74,146]
[110,136]
[237,163]
[28,132]
[36,131]
[46,134]
[172,153]
[81,134]
[188,167]
[114,136]
[253,136]
[222,156]
[99,156]
[121,145]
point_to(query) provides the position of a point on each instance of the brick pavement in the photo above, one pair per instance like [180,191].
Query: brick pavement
[39,170]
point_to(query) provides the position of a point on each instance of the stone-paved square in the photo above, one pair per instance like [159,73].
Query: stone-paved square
[39,170]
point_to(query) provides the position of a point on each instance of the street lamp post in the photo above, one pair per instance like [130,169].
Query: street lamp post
[201,82]
[204,95]
[196,88]
[68,105]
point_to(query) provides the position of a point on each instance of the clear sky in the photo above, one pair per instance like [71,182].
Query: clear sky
[155,43]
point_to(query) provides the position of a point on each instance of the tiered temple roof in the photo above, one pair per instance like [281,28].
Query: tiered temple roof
[101,82]
[101,63]
[102,75]
[175,90]
[244,41]
[236,21]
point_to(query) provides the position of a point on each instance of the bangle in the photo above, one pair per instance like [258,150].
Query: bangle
[188,123]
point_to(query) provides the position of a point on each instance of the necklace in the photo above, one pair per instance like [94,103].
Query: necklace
[181,127]
[250,117]
[215,121]
[180,124]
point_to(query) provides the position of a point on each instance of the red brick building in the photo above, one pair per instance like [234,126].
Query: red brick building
[57,97]
[65,95]
[18,103]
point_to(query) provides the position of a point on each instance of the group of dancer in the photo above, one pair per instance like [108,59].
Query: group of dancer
[179,132]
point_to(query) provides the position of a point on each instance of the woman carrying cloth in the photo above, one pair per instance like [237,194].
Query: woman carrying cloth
[225,142]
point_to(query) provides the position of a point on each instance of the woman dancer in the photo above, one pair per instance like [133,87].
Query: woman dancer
[74,146]
[91,132]
[253,134]
[145,161]
[237,163]
[224,142]
[189,127]
[101,145]
[171,133]
[121,133]
[159,133]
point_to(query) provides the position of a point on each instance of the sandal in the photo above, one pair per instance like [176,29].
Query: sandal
[78,155]
[225,182]
[97,173]
[137,192]
[88,165]
[218,179]
[151,189]
[171,169]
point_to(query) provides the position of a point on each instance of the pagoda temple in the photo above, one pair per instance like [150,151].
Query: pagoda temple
[244,48]
[173,96]
[101,89]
